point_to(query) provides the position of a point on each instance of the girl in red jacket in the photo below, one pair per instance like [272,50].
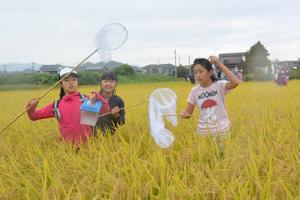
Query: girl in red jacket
[67,110]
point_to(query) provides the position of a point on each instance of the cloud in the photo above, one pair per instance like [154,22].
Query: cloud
[63,31]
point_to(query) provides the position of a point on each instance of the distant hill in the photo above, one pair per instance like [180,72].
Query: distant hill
[20,67]
[110,65]
[11,67]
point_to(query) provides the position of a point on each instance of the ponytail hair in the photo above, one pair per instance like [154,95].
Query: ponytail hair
[213,78]
[62,93]
[205,64]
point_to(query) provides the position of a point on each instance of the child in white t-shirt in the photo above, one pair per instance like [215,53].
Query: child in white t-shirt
[208,95]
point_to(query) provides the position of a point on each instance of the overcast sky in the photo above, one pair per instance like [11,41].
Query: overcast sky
[63,31]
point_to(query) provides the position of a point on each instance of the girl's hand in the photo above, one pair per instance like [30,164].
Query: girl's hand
[33,103]
[93,98]
[214,60]
[115,112]
[98,97]
[184,114]
[233,81]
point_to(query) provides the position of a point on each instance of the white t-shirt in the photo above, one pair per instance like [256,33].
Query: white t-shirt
[211,104]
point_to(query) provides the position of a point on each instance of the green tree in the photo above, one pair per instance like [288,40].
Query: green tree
[257,59]
[88,78]
[181,71]
[125,70]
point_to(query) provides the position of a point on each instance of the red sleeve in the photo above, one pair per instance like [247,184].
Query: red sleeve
[42,113]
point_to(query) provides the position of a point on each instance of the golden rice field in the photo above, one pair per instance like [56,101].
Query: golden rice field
[261,160]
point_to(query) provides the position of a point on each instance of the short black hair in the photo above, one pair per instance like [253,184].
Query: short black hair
[111,76]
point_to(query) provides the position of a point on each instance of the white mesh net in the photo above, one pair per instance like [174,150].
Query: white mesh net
[110,37]
[162,102]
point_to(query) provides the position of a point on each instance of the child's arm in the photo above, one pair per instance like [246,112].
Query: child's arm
[233,81]
[119,113]
[187,113]
[43,113]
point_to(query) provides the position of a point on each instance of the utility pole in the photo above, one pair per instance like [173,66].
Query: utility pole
[32,66]
[189,57]
[175,64]
[158,67]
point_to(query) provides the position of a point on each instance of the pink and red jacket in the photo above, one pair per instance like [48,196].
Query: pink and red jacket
[70,128]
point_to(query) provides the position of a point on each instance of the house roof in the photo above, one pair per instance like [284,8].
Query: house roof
[232,54]
[287,63]
[154,66]
[49,68]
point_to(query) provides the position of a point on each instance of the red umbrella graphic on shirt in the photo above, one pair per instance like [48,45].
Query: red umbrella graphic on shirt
[209,105]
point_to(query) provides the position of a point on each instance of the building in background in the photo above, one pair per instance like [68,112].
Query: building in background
[51,69]
[166,69]
[232,60]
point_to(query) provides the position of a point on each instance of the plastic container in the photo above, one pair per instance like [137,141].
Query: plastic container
[89,112]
